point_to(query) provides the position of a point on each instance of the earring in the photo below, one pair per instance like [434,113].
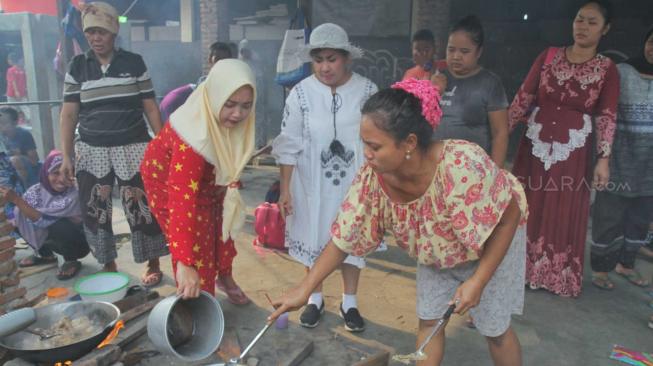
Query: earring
[407,154]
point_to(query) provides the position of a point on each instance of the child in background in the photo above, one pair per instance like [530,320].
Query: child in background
[423,50]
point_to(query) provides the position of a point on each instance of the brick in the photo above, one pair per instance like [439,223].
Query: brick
[7,242]
[12,294]
[15,304]
[7,254]
[6,282]
[6,228]
[7,268]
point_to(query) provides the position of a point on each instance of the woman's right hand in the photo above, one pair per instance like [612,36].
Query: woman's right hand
[291,301]
[285,203]
[67,169]
[188,281]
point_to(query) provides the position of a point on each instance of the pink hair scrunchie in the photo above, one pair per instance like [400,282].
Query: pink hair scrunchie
[429,96]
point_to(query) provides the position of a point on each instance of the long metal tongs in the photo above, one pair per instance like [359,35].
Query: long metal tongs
[420,355]
[238,360]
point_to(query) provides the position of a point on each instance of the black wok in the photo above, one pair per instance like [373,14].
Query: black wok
[102,315]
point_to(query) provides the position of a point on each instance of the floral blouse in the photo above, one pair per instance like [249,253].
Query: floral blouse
[559,99]
[447,225]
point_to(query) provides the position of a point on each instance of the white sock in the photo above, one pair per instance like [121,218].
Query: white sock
[348,302]
[316,298]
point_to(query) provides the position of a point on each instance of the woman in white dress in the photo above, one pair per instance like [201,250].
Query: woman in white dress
[320,151]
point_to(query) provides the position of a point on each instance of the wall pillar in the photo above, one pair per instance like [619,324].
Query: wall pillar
[434,15]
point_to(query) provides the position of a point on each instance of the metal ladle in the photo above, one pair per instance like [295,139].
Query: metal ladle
[42,333]
[419,355]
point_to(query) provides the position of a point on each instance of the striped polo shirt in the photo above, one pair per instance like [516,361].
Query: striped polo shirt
[110,100]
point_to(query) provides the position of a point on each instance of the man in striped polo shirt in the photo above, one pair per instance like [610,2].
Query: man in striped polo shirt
[106,92]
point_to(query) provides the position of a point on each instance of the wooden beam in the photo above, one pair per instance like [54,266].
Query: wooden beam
[297,354]
[379,359]
[187,20]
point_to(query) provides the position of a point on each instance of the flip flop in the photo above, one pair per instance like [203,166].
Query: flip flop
[235,296]
[33,260]
[603,283]
[64,271]
[151,279]
[635,278]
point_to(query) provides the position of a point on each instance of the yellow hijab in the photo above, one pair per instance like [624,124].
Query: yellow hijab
[228,149]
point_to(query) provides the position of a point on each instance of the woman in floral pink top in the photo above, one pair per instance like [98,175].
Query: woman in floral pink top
[568,93]
[448,205]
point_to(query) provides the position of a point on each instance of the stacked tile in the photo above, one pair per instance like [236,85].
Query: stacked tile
[12,295]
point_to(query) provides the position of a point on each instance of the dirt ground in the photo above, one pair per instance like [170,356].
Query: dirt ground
[552,330]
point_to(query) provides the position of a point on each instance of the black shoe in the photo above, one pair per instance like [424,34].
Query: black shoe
[353,320]
[311,315]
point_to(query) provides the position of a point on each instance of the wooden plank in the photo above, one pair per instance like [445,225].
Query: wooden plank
[139,309]
[134,357]
[30,271]
[130,302]
[379,359]
[104,356]
[297,354]
[132,331]
[374,345]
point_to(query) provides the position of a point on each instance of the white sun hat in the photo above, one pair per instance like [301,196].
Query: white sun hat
[329,35]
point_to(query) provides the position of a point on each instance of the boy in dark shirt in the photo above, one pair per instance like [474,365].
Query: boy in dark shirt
[20,147]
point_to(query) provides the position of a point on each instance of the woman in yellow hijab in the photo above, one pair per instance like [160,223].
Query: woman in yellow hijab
[191,172]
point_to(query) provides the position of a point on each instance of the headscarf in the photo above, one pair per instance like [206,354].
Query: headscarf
[51,204]
[51,163]
[639,63]
[100,14]
[228,149]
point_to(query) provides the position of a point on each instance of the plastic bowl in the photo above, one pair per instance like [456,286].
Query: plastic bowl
[106,286]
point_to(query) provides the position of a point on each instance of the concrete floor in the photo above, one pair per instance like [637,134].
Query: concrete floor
[552,330]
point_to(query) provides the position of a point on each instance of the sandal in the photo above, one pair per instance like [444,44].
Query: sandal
[69,270]
[33,260]
[603,283]
[235,295]
[635,278]
[151,279]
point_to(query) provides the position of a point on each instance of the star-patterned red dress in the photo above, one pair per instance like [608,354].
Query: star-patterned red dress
[188,206]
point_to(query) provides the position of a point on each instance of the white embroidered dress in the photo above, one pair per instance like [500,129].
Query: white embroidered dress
[320,179]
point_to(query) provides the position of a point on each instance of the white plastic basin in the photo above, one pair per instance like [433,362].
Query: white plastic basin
[106,286]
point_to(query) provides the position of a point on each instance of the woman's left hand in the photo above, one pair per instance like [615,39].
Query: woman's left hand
[467,296]
[8,194]
[601,174]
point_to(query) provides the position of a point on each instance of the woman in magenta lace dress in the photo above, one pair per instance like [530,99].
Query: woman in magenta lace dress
[568,98]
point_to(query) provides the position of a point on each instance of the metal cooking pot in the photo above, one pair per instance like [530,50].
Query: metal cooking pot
[101,314]
[190,329]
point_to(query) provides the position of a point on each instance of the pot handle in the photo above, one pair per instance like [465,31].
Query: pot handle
[113,334]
